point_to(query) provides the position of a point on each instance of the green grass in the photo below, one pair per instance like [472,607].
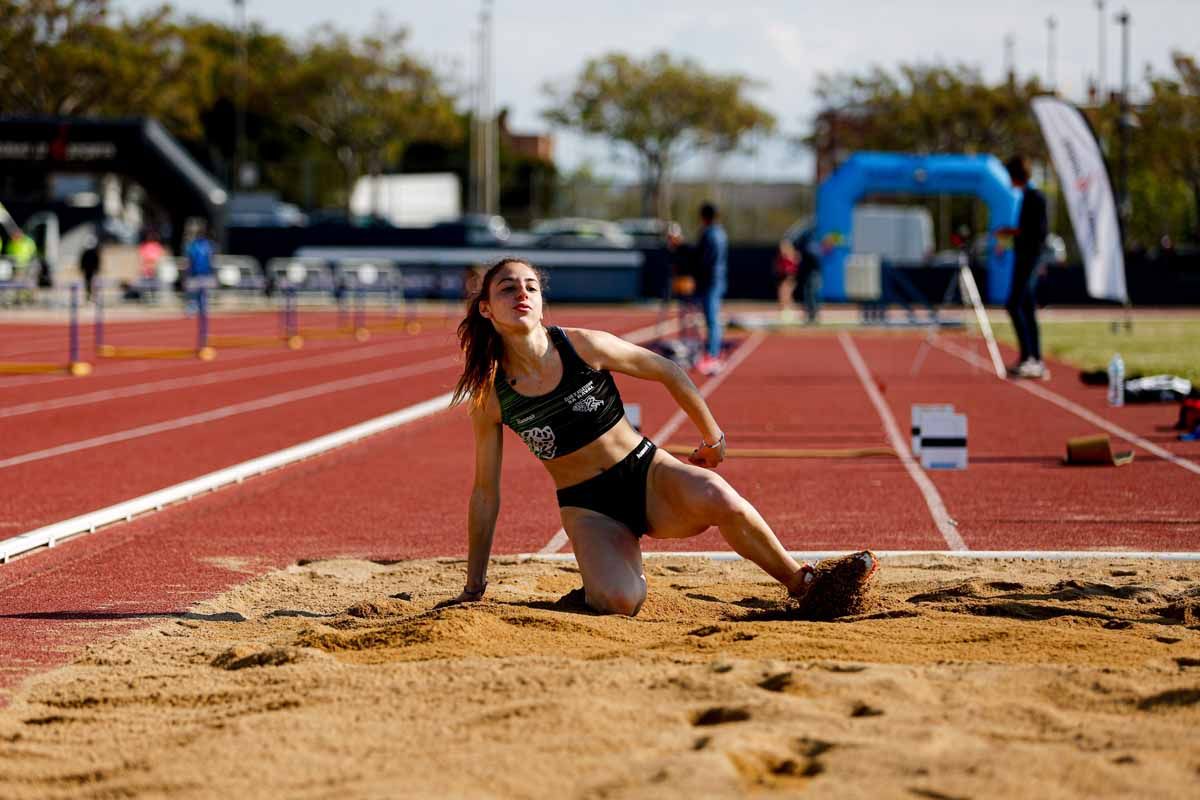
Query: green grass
[1152,347]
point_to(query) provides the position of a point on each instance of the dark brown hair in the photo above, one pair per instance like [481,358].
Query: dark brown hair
[1018,169]
[481,345]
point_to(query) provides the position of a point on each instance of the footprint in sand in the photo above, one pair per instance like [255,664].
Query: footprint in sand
[719,715]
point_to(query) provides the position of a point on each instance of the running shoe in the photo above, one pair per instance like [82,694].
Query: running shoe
[1033,369]
[804,579]
[840,587]
[710,365]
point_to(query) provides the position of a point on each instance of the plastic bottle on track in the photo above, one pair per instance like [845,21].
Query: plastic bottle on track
[1116,381]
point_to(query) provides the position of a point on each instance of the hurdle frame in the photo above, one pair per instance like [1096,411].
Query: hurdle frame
[74,366]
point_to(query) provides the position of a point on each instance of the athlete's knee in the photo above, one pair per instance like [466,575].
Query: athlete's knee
[721,501]
[625,599]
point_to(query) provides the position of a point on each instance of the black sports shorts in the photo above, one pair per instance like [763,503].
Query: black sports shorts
[618,492]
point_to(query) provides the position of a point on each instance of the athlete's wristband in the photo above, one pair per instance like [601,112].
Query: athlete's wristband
[717,443]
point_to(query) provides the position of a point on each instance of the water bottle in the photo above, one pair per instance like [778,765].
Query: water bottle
[1116,381]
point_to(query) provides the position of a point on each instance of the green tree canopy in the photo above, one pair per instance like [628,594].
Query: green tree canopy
[354,103]
[662,109]
[367,100]
[1167,141]
[925,109]
[952,109]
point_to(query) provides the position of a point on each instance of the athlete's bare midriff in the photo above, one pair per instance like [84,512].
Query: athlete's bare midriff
[594,457]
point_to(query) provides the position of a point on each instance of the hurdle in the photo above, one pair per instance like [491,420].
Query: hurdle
[73,365]
[368,276]
[346,327]
[203,351]
[287,337]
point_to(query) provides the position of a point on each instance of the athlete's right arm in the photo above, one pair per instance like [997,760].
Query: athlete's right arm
[485,496]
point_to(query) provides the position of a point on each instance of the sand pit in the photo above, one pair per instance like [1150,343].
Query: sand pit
[963,679]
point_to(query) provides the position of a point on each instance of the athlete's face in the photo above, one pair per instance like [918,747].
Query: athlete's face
[515,297]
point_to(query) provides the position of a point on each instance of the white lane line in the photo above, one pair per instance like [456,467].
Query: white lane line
[1076,409]
[298,364]
[232,410]
[559,539]
[933,500]
[817,555]
[50,535]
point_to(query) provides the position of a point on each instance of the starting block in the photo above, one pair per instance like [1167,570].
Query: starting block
[939,437]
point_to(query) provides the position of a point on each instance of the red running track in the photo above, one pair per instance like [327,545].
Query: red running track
[403,494]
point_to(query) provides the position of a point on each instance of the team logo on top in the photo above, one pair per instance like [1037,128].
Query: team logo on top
[587,405]
[540,441]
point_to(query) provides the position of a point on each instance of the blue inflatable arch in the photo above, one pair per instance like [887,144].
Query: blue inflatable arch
[982,176]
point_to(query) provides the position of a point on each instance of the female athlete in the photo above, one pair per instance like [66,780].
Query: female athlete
[554,388]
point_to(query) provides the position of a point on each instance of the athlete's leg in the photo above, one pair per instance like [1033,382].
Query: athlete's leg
[712,319]
[610,561]
[683,500]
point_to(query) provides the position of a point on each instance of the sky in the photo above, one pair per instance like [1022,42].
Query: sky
[785,45]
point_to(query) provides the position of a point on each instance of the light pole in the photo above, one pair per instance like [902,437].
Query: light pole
[492,164]
[482,171]
[1101,77]
[1051,76]
[1010,65]
[1124,121]
[475,162]
[239,145]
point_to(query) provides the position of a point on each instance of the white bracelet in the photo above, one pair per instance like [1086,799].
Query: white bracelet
[717,443]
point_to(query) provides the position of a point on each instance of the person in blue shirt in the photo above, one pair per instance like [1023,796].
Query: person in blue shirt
[200,267]
[808,272]
[712,257]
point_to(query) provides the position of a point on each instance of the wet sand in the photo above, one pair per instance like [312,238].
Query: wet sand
[962,678]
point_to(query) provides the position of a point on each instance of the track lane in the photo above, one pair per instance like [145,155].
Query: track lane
[102,476]
[801,392]
[1016,493]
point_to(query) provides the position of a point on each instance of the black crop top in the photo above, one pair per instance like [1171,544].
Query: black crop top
[583,406]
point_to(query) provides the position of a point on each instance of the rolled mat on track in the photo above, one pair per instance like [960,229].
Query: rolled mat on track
[785,452]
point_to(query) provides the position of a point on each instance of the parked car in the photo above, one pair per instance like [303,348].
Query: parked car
[262,210]
[646,231]
[480,230]
[579,232]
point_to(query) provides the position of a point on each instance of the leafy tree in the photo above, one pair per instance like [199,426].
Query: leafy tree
[1167,139]
[367,100]
[662,109]
[924,109]
[67,57]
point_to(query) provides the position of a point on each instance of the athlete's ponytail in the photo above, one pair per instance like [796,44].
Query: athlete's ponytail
[481,345]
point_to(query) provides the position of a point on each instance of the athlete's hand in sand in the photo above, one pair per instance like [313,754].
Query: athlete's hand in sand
[709,455]
[466,596]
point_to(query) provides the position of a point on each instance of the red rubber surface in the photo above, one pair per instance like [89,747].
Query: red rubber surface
[403,493]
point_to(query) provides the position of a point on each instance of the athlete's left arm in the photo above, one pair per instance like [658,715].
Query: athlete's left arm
[602,350]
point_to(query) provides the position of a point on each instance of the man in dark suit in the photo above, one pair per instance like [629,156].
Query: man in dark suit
[1029,237]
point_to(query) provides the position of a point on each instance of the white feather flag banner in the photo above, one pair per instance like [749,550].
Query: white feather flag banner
[1088,193]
